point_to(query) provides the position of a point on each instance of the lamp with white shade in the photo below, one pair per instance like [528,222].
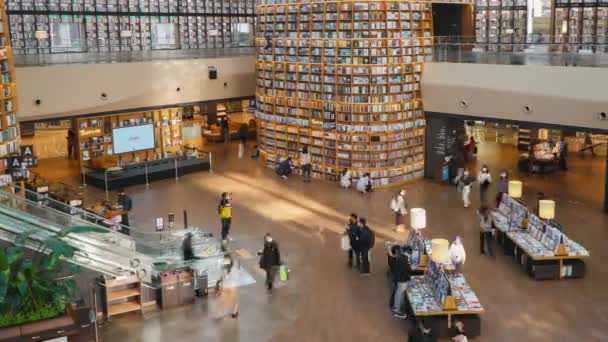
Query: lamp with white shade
[515,188]
[418,218]
[439,251]
[546,209]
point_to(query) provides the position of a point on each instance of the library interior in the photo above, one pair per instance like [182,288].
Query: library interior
[303,170]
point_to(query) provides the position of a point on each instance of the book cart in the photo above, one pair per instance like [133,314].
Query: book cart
[439,296]
[343,78]
[539,246]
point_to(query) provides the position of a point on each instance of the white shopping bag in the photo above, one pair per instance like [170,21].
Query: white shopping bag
[345,243]
[241,150]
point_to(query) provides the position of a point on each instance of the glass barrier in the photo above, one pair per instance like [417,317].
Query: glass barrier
[531,52]
[128,56]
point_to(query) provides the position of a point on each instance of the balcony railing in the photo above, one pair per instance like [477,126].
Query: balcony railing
[569,51]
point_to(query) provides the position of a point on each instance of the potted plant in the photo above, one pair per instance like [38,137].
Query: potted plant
[30,286]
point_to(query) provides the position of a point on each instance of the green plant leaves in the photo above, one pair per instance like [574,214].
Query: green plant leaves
[3,261]
[13,254]
[82,229]
[72,268]
[3,285]
[60,247]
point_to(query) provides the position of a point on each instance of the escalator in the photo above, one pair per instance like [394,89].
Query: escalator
[112,253]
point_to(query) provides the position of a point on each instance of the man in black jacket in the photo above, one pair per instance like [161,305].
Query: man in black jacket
[270,260]
[354,234]
[367,241]
[401,274]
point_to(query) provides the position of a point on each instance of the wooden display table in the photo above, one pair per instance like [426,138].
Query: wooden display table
[439,307]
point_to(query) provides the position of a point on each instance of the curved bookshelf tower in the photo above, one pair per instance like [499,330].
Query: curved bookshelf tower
[9,127]
[343,78]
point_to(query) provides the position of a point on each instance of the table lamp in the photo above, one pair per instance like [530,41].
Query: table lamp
[41,35]
[546,209]
[515,188]
[439,250]
[418,218]
[418,222]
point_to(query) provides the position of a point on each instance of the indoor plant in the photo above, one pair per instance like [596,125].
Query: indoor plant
[30,286]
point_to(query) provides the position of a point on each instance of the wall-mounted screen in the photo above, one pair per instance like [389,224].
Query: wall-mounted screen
[134,138]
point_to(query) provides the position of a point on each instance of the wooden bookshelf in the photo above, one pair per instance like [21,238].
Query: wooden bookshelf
[94,136]
[9,127]
[343,78]
[122,295]
[501,22]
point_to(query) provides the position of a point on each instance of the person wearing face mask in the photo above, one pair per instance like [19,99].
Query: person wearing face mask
[466,184]
[485,179]
[399,207]
[502,186]
[270,260]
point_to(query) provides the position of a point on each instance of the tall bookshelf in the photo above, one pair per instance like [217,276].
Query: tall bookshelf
[102,25]
[580,23]
[343,78]
[501,22]
[9,127]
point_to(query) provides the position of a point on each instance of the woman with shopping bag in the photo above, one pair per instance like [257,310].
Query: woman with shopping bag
[270,260]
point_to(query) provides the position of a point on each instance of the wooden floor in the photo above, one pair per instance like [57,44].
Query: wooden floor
[324,300]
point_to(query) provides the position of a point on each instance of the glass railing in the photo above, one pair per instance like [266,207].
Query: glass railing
[531,51]
[114,253]
[127,56]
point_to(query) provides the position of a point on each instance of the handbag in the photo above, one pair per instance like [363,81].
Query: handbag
[345,243]
[283,273]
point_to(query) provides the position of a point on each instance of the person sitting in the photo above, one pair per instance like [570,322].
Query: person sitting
[256,152]
[364,184]
[284,168]
[345,176]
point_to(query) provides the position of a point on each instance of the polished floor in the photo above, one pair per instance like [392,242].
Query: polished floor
[324,300]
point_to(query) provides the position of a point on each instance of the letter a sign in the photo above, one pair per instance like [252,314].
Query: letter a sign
[27,150]
[14,162]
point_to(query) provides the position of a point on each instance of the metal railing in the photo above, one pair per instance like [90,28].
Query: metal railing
[532,50]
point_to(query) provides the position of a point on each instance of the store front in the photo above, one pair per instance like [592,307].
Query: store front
[528,151]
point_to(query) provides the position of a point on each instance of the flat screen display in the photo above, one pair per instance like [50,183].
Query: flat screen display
[134,138]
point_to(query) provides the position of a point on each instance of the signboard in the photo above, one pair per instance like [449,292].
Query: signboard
[160,224]
[86,132]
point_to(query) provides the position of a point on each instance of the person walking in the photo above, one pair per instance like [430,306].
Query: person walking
[485,179]
[270,260]
[457,254]
[228,292]
[126,203]
[243,133]
[401,275]
[367,242]
[485,233]
[466,183]
[305,164]
[224,209]
[563,154]
[502,186]
[399,207]
[71,138]
[225,127]
[354,234]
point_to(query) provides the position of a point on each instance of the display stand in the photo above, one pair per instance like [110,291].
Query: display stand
[539,246]
[440,296]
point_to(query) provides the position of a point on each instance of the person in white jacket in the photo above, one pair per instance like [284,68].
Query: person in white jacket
[305,164]
[364,184]
[345,177]
[457,254]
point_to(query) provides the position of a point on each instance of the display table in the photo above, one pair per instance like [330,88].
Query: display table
[541,248]
[141,173]
[425,302]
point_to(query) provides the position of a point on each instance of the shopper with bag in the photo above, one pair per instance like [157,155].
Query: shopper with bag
[399,207]
[270,260]
[367,242]
[485,234]
[401,274]
[485,179]
[351,237]
[466,184]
